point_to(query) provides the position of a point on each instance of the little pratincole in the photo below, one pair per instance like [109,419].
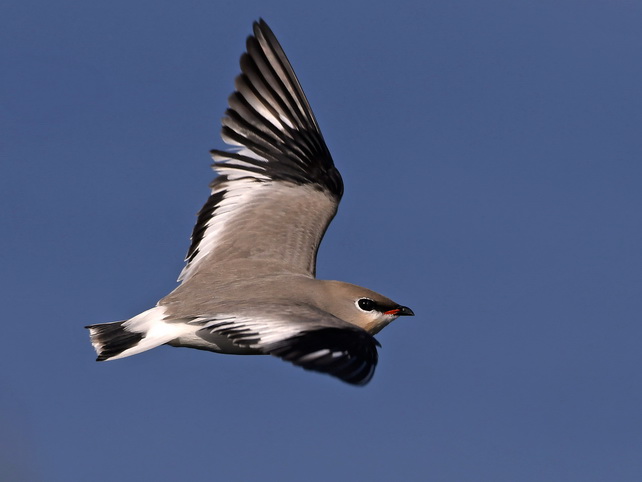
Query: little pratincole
[249,285]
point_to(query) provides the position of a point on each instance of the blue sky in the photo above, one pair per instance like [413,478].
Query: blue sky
[491,153]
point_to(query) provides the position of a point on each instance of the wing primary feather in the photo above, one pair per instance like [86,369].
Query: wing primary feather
[246,110]
[263,89]
[253,97]
[249,130]
[277,58]
[351,353]
[271,78]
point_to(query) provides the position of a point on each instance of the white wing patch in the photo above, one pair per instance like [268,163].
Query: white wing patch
[234,195]
[252,332]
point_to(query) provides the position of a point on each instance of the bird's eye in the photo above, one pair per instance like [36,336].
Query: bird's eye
[366,304]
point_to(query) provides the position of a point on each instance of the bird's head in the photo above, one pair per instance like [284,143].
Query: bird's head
[360,306]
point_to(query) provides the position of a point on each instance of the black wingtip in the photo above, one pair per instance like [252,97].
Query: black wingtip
[348,354]
[270,115]
[260,27]
[261,23]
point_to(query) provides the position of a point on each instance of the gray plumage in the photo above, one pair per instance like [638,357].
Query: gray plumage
[249,284]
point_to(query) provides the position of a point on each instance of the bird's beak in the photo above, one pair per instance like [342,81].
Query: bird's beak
[401,311]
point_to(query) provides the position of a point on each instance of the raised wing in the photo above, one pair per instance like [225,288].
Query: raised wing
[304,336]
[278,189]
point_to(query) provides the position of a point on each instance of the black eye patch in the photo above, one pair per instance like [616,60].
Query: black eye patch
[366,304]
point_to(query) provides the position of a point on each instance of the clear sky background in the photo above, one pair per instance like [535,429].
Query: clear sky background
[492,157]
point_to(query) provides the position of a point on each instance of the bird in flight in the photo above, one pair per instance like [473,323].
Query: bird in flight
[249,286]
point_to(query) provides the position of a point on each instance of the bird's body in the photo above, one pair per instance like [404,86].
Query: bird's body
[249,285]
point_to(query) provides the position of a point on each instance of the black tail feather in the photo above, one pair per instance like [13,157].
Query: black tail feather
[111,339]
